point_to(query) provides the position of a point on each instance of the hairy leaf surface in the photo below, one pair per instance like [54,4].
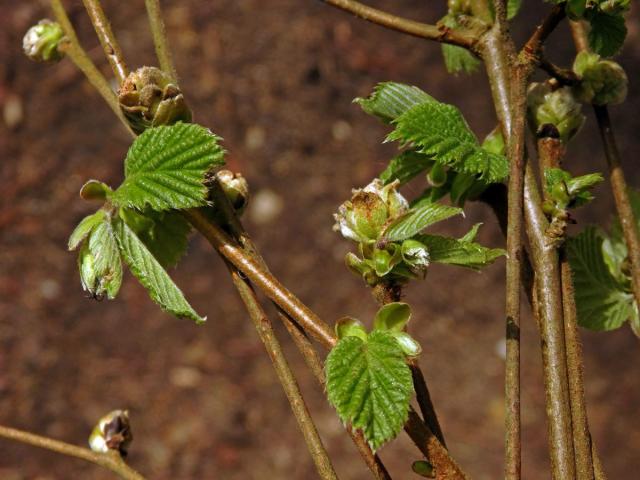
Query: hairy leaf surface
[418,219]
[439,130]
[370,385]
[165,168]
[601,301]
[151,275]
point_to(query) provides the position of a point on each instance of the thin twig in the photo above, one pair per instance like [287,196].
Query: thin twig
[404,25]
[81,59]
[385,293]
[286,377]
[300,338]
[314,363]
[498,55]
[580,423]
[265,281]
[107,39]
[620,195]
[111,461]
[422,436]
[546,265]
[160,38]
[551,152]
[531,52]
[545,261]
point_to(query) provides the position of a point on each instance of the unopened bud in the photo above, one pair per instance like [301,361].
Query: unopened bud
[112,432]
[557,107]
[603,82]
[149,98]
[235,188]
[41,41]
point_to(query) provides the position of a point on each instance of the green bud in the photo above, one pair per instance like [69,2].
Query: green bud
[560,194]
[235,188]
[494,142]
[149,98]
[95,190]
[410,347]
[423,468]
[112,432]
[350,327]
[392,317]
[415,253]
[614,7]
[437,176]
[557,107]
[603,82]
[383,262]
[41,41]
[363,218]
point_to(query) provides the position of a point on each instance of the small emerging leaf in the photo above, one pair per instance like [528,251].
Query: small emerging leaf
[165,168]
[607,33]
[83,229]
[95,190]
[461,252]
[405,166]
[370,385]
[389,100]
[350,327]
[440,131]
[165,234]
[392,317]
[408,344]
[151,275]
[416,220]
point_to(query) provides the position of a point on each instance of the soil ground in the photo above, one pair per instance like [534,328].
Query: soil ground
[276,80]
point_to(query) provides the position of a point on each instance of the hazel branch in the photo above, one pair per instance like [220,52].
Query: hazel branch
[72,48]
[111,461]
[285,376]
[159,34]
[107,39]
[417,29]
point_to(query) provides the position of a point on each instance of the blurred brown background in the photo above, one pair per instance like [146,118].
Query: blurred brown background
[276,80]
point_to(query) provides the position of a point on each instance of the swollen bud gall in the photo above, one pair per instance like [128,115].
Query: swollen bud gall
[149,98]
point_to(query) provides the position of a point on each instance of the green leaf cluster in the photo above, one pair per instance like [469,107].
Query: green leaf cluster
[604,300]
[140,223]
[437,141]
[368,380]
[607,29]
[388,232]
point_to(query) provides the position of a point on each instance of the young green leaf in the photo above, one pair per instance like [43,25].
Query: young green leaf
[370,385]
[439,130]
[460,252]
[84,228]
[389,100]
[99,260]
[165,234]
[416,220]
[601,302]
[350,327]
[513,7]
[459,59]
[151,275]
[165,168]
[392,317]
[405,166]
[607,33]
